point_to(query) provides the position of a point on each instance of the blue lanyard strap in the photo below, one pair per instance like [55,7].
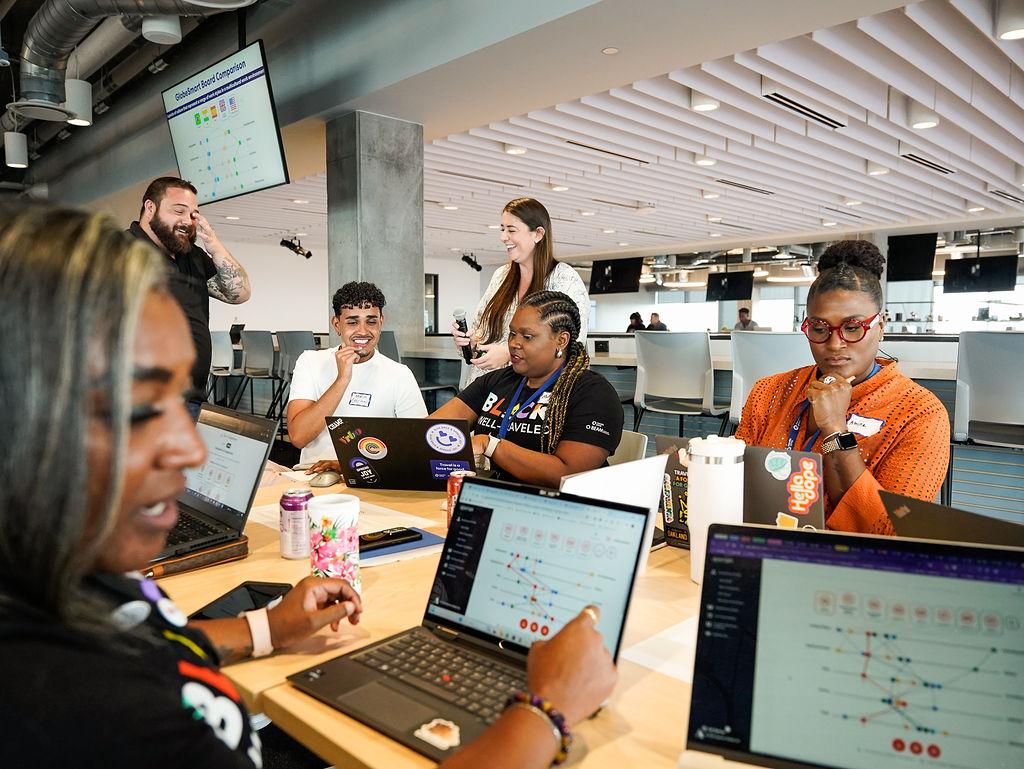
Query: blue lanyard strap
[795,429]
[513,406]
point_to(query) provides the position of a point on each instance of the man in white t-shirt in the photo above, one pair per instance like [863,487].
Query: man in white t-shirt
[352,379]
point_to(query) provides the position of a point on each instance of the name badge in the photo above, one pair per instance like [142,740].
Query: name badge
[359,399]
[863,425]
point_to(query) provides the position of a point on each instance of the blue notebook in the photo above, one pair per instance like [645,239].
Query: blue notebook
[431,543]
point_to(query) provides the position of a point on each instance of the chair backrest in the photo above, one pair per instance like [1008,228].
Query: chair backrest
[632,446]
[290,345]
[989,370]
[223,354]
[388,344]
[756,354]
[257,350]
[674,364]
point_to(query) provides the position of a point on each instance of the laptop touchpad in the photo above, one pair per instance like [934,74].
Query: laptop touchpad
[387,706]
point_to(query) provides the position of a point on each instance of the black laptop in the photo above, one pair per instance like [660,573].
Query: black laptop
[217,497]
[845,651]
[518,564]
[398,453]
[783,488]
[916,518]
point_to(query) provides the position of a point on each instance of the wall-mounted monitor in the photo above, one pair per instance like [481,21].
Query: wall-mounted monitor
[911,257]
[616,276]
[985,273]
[735,286]
[224,128]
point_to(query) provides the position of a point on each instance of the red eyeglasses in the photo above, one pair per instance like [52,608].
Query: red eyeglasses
[850,331]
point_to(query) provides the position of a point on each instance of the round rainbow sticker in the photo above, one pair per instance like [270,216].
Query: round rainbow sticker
[372,448]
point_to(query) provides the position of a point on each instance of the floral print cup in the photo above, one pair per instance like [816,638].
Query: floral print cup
[334,537]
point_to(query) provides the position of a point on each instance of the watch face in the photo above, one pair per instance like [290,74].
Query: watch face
[846,441]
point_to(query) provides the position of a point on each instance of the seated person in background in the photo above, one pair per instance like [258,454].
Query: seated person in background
[876,428]
[656,324]
[100,668]
[744,323]
[547,415]
[636,323]
[352,379]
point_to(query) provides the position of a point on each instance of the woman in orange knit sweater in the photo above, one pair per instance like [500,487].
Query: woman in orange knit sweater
[876,428]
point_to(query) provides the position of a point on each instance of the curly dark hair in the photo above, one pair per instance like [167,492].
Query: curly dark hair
[850,265]
[358,294]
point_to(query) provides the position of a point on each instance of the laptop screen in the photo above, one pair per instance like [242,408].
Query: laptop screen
[518,564]
[855,652]
[236,450]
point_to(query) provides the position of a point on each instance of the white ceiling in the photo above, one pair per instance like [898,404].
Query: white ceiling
[632,148]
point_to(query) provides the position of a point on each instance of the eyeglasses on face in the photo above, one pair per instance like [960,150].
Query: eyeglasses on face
[850,331]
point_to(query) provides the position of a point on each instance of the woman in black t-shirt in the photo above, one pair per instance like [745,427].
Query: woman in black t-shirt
[547,415]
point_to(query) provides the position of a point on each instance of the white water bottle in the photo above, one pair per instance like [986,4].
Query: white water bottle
[714,491]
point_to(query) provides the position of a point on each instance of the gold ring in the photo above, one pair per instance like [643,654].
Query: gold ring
[592,613]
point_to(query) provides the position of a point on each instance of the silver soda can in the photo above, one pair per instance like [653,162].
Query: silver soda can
[294,523]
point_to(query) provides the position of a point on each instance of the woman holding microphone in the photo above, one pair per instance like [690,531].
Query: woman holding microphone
[528,240]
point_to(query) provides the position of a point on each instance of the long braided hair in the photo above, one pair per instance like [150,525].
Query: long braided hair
[561,314]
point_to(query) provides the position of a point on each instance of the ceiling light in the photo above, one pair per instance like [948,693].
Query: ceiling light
[16,149]
[876,169]
[975,209]
[713,219]
[513,149]
[825,223]
[449,206]
[708,194]
[1009,19]
[300,202]
[162,30]
[610,50]
[301,234]
[919,116]
[700,102]
[558,187]
[851,202]
[623,243]
[789,279]
[455,249]
[608,232]
[494,226]
[715,234]
[78,100]
[704,160]
[587,213]
[761,273]
[647,278]
[232,218]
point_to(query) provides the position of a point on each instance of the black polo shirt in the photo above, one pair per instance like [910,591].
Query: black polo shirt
[188,277]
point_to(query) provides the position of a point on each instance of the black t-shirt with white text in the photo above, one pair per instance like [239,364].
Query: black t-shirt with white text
[593,415]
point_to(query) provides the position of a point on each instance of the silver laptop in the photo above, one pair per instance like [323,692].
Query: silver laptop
[856,652]
[215,505]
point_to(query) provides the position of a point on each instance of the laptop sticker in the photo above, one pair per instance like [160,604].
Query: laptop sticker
[864,426]
[372,448]
[360,399]
[784,521]
[440,733]
[445,438]
[803,487]
[779,465]
[365,472]
[442,468]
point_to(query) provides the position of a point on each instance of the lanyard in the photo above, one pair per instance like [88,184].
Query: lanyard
[791,441]
[513,408]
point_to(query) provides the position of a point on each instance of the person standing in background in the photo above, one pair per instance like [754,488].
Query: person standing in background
[170,220]
[744,323]
[656,324]
[636,323]
[529,242]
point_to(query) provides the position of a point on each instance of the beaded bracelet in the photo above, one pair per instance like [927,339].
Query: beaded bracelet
[542,706]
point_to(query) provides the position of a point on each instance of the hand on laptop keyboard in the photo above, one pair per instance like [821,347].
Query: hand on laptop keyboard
[573,671]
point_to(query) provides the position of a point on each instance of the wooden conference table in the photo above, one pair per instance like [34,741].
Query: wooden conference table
[643,725]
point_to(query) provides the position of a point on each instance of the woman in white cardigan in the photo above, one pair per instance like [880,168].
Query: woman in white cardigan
[527,237]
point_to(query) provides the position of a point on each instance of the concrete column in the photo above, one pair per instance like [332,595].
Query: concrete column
[375,214]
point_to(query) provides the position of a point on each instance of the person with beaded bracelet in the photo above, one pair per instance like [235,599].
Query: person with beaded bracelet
[547,415]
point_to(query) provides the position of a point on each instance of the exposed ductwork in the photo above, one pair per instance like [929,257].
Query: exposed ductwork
[60,25]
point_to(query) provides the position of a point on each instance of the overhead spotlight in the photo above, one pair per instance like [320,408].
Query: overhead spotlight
[700,102]
[494,226]
[608,231]
[852,202]
[78,101]
[449,206]
[975,209]
[708,194]
[162,30]
[919,117]
[876,169]
[715,234]
[623,243]
[16,149]
[513,149]
[470,259]
[584,212]
[713,219]
[828,223]
[295,246]
[558,187]
[703,160]
[1009,19]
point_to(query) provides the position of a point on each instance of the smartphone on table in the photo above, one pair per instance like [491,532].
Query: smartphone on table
[248,596]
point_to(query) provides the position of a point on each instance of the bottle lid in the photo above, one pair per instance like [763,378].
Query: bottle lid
[714,446]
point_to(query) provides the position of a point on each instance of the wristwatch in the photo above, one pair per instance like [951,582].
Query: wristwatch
[492,444]
[838,442]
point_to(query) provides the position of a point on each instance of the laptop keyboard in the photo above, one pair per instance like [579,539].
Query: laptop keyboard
[474,682]
[188,528]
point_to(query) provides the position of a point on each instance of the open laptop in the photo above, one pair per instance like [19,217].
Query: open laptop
[519,562]
[849,651]
[396,453]
[915,518]
[217,497]
[783,488]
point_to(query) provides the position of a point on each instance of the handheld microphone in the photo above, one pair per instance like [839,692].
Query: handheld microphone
[460,321]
